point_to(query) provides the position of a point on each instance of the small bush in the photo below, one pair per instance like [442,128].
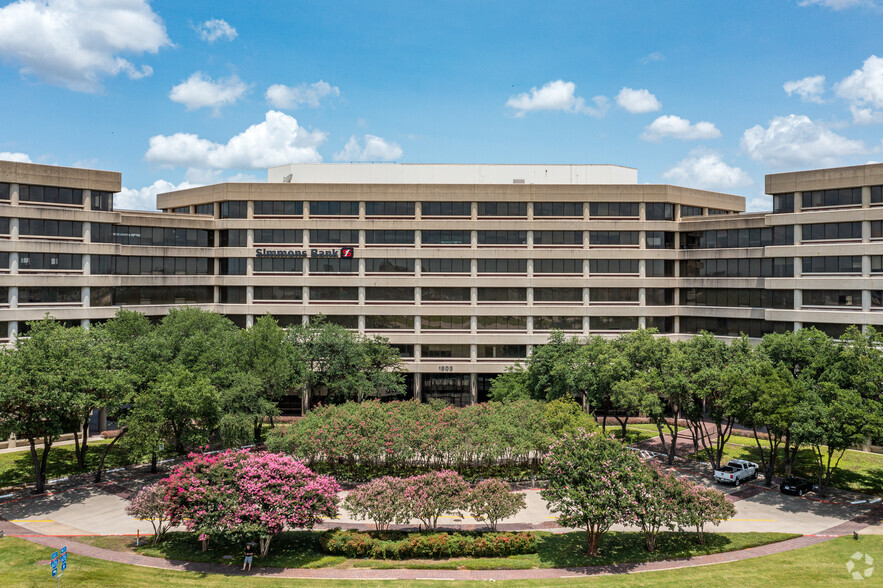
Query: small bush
[492,500]
[399,545]
[381,500]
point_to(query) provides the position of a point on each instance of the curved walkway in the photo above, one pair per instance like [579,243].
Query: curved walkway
[428,574]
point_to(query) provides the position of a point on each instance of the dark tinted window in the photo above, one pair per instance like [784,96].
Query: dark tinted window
[613,294]
[501,266]
[446,266]
[502,237]
[783,203]
[389,265]
[49,295]
[455,237]
[502,323]
[613,323]
[334,208]
[433,294]
[293,236]
[234,238]
[558,295]
[50,261]
[560,323]
[334,236]
[234,209]
[334,293]
[388,322]
[389,208]
[279,265]
[616,209]
[613,237]
[334,265]
[690,211]
[832,231]
[558,266]
[446,209]
[613,266]
[278,208]
[841,197]
[389,237]
[558,238]
[502,294]
[389,293]
[660,240]
[140,295]
[50,228]
[445,323]
[832,298]
[502,209]
[832,264]
[659,211]
[50,195]
[558,209]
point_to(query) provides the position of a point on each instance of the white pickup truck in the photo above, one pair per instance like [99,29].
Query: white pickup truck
[736,472]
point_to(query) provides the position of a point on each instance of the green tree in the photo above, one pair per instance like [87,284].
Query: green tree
[42,380]
[341,365]
[591,484]
[645,356]
[510,385]
[764,397]
[666,393]
[831,420]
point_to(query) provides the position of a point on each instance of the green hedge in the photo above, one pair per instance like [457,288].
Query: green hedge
[401,545]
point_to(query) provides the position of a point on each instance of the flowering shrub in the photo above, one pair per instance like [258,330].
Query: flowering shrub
[591,483]
[660,500]
[434,494]
[422,545]
[381,500]
[493,500]
[361,441]
[700,506]
[150,504]
[242,494]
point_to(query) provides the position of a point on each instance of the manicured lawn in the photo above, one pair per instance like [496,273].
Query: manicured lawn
[18,468]
[301,549]
[819,565]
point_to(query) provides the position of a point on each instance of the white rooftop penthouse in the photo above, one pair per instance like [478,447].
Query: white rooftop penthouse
[454,173]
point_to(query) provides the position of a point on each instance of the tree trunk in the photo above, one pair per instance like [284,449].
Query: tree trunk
[592,537]
[81,453]
[39,476]
[153,459]
[265,544]
[107,448]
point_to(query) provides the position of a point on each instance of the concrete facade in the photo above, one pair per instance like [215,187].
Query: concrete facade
[551,252]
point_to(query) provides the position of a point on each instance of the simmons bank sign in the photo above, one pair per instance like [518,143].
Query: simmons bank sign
[343,252]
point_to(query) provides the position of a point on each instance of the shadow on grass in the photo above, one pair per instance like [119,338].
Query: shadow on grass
[17,467]
[569,549]
[292,549]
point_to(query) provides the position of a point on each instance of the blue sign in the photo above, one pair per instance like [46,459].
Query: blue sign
[63,566]
[54,572]
[54,563]
[64,549]
[54,555]
[64,558]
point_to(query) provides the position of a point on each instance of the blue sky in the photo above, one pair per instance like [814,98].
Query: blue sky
[697,93]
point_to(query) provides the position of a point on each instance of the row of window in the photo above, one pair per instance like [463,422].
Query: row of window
[54,195]
[156,236]
[143,265]
[759,237]
[143,295]
[784,203]
[654,210]
[778,267]
[737,297]
[49,228]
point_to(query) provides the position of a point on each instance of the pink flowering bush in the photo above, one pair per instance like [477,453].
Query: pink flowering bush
[660,501]
[381,500]
[150,504]
[435,494]
[591,483]
[492,501]
[241,494]
[700,506]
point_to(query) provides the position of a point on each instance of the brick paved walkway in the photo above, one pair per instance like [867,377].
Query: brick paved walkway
[358,573]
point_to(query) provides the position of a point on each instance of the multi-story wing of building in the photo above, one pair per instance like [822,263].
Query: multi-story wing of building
[464,268]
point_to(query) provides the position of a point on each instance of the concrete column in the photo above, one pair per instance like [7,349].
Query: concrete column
[362,237]
[642,266]
[642,322]
[866,300]
[249,236]
[84,296]
[87,199]
[417,295]
[360,326]
[306,211]
[13,194]
[417,267]
[866,266]
[85,323]
[530,296]
[642,215]
[473,239]
[361,262]
[473,327]
[249,266]
[530,325]
[249,210]
[473,296]
[216,295]
[362,210]
[798,201]
[12,331]
[418,386]
[361,295]
[473,267]
[866,196]
[642,235]
[418,238]
[249,295]
[13,229]
[798,299]
[87,232]
[13,263]
[13,297]
[473,386]
[87,264]
[530,239]
[866,231]
[642,296]
[677,324]
[530,268]
[249,321]
[475,211]
[305,294]
[418,210]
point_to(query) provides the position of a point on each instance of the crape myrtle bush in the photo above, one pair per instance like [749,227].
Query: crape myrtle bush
[401,545]
[362,441]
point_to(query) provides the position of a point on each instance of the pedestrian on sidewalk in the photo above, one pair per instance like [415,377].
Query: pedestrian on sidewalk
[249,556]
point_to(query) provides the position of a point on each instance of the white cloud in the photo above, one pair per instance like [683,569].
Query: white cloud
[795,140]
[15,156]
[75,43]
[759,203]
[679,128]
[706,170]
[214,29]
[376,149]
[145,198]
[838,4]
[863,89]
[282,96]
[655,56]
[810,89]
[200,91]
[275,141]
[557,95]
[637,101]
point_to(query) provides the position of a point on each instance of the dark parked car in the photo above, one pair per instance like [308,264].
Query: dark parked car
[796,486]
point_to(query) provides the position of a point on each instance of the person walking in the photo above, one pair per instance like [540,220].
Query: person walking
[249,556]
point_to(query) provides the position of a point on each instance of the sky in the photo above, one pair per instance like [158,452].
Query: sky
[175,94]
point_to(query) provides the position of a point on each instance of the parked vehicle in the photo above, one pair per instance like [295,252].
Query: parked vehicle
[736,472]
[796,486]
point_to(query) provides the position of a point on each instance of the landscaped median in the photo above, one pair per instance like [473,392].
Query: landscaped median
[439,550]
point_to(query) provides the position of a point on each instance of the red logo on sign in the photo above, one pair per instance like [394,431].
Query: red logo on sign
[346,252]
